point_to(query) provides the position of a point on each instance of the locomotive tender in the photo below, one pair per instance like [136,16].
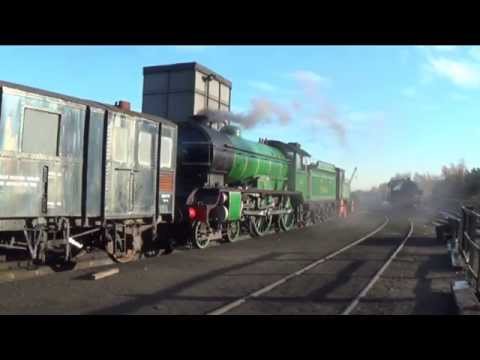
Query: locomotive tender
[77,174]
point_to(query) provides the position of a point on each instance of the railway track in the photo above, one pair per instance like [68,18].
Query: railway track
[353,304]
[378,274]
[11,264]
[335,263]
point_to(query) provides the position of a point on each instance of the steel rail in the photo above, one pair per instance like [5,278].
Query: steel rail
[227,307]
[377,275]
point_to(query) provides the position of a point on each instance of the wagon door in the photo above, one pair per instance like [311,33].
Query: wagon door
[145,169]
[131,167]
[120,166]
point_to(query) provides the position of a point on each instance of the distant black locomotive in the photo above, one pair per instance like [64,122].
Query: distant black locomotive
[403,193]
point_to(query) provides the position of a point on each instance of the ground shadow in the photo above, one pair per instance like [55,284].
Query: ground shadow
[140,301]
[428,300]
[341,278]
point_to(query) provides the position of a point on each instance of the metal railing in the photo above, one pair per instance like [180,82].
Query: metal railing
[469,245]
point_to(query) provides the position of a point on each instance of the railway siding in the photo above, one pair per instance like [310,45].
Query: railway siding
[200,281]
[332,285]
[416,282]
[189,282]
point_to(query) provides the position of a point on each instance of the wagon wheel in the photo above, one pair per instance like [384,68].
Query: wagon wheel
[133,246]
[233,230]
[259,225]
[201,238]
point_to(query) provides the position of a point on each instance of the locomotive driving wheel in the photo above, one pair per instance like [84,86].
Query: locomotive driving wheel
[287,220]
[126,245]
[259,225]
[200,234]
[232,231]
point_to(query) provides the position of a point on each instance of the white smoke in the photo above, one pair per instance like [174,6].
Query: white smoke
[326,112]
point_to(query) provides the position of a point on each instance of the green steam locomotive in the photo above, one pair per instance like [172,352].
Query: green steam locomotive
[226,183]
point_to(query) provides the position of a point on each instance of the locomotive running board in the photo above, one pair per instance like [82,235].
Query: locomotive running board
[262,191]
[266,212]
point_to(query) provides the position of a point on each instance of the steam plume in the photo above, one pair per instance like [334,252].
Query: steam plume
[261,111]
[327,113]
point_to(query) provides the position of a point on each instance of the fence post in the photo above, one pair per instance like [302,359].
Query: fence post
[465,231]
[460,231]
[466,242]
[475,249]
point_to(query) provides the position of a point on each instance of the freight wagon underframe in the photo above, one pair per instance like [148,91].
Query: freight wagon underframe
[68,238]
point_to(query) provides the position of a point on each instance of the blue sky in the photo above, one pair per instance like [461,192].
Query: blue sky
[397,108]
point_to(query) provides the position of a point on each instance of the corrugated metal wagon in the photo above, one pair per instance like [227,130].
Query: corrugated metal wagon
[76,173]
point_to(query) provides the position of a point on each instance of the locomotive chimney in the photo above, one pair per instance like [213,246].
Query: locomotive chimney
[124,105]
[201,118]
